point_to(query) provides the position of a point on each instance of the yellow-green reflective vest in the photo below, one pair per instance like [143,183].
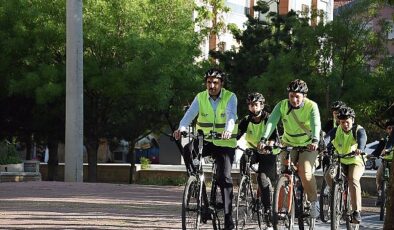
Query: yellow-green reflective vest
[293,134]
[345,143]
[389,157]
[208,120]
[254,133]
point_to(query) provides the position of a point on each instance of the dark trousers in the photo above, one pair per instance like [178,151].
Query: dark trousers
[224,157]
[266,175]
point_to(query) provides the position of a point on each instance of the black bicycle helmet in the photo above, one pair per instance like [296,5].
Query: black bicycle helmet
[255,97]
[298,86]
[336,105]
[216,73]
[345,113]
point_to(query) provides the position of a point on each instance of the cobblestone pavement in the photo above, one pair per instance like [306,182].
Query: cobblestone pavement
[62,205]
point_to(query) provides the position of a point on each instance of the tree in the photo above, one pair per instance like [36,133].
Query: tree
[135,60]
[138,62]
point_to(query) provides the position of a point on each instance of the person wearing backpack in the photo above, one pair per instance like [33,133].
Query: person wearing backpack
[346,138]
[301,123]
[252,127]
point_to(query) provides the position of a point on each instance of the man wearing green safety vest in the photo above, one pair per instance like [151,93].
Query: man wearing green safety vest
[301,122]
[346,138]
[216,110]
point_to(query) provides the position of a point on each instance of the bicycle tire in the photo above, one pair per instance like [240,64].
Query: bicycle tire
[348,215]
[218,206]
[383,203]
[283,212]
[191,204]
[245,209]
[324,203]
[336,206]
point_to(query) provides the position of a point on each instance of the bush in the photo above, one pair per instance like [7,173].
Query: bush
[9,154]
[145,163]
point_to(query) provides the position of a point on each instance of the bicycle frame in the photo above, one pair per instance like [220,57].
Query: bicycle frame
[202,194]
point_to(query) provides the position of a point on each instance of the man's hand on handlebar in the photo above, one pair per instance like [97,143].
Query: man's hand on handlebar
[313,146]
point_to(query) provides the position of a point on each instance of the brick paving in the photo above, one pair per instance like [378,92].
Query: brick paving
[62,205]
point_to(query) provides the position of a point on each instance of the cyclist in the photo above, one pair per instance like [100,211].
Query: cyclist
[334,122]
[252,126]
[346,138]
[301,122]
[384,145]
[216,110]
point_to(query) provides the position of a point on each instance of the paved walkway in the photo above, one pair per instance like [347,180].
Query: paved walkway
[61,205]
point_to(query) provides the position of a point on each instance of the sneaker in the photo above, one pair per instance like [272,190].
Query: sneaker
[314,211]
[268,217]
[356,217]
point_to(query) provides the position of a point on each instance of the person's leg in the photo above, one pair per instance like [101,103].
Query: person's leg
[354,175]
[224,159]
[379,177]
[265,178]
[306,166]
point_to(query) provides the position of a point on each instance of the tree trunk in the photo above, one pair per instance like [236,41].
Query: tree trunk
[389,220]
[91,147]
[29,145]
[132,163]
[53,161]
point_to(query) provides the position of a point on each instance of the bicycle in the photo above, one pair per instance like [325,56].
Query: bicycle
[196,207]
[290,202]
[249,206]
[340,202]
[324,198]
[383,186]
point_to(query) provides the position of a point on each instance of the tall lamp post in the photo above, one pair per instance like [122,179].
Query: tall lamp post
[73,170]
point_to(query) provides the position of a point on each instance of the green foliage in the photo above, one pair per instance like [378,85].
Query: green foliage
[9,154]
[145,163]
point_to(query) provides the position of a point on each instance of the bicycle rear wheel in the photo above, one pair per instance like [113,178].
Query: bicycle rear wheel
[218,206]
[191,205]
[324,202]
[283,209]
[336,206]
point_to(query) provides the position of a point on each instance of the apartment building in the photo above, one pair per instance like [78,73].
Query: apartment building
[239,9]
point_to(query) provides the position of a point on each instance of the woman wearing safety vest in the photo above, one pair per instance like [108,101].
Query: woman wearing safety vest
[216,110]
[301,123]
[346,138]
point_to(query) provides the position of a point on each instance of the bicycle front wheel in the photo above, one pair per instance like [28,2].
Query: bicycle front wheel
[324,202]
[283,209]
[245,212]
[383,203]
[218,206]
[191,205]
[336,206]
